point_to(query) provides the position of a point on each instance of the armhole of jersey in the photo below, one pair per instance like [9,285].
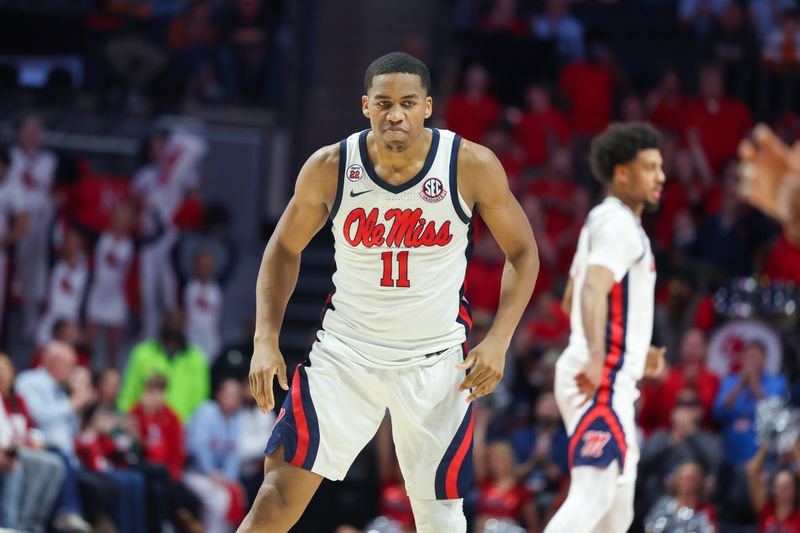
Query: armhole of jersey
[644,246]
[454,194]
[339,178]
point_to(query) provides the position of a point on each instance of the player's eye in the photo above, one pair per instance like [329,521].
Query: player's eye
[409,103]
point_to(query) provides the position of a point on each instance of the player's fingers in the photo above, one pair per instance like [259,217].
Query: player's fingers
[471,380]
[267,388]
[282,376]
[264,388]
[482,390]
[746,150]
[482,381]
[767,139]
[468,362]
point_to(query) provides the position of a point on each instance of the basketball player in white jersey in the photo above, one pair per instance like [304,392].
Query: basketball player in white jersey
[401,198]
[612,279]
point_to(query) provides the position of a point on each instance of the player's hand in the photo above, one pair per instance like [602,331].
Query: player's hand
[487,361]
[267,361]
[588,379]
[655,363]
[769,169]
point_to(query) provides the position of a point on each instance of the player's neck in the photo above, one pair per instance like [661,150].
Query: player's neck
[637,206]
[398,167]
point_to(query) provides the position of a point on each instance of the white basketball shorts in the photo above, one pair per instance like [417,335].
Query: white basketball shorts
[335,405]
[602,429]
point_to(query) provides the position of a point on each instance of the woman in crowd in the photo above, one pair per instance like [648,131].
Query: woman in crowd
[774,501]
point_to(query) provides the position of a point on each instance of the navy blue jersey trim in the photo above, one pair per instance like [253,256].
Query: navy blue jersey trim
[454,181]
[367,162]
[340,178]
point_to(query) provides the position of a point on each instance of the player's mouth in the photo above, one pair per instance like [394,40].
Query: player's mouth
[657,194]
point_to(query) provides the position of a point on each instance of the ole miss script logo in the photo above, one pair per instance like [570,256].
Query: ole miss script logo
[353,172]
[397,228]
[432,190]
[594,442]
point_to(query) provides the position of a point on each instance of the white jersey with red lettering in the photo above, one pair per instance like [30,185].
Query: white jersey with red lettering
[604,430]
[107,303]
[401,253]
[393,330]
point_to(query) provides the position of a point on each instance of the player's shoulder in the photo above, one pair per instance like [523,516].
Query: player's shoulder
[475,157]
[325,158]
[612,215]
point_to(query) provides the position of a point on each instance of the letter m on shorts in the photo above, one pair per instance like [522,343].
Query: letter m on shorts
[594,442]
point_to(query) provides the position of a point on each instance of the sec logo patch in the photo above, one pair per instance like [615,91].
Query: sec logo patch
[432,190]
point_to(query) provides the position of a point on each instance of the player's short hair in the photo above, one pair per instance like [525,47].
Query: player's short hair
[397,63]
[619,144]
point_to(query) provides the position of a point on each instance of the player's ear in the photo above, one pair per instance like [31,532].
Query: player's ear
[428,107]
[365,105]
[621,172]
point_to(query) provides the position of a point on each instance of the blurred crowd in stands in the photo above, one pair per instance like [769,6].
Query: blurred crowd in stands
[115,387]
[142,56]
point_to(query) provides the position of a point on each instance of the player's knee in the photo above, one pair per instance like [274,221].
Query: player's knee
[269,509]
[439,516]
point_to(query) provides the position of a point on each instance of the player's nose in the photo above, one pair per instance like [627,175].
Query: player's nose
[395,114]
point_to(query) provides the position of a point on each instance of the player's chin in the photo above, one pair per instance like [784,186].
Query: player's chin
[395,146]
[651,205]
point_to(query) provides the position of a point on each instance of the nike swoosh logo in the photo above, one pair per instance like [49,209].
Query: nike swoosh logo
[353,194]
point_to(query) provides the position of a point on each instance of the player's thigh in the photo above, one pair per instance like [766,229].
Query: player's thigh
[332,410]
[432,428]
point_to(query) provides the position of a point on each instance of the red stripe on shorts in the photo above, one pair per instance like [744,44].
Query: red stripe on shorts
[300,420]
[451,483]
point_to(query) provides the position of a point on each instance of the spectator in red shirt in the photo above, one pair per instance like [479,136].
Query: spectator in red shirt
[542,128]
[499,140]
[483,275]
[160,428]
[163,445]
[776,506]
[501,495]
[502,18]
[666,103]
[783,261]
[721,122]
[691,372]
[471,112]
[589,87]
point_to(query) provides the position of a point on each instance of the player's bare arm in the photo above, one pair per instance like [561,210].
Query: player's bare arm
[483,184]
[594,314]
[566,301]
[315,192]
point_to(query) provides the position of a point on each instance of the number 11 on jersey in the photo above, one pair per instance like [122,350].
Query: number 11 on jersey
[402,266]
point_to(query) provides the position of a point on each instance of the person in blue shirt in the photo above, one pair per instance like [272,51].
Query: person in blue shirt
[735,406]
[212,437]
[735,410]
[541,451]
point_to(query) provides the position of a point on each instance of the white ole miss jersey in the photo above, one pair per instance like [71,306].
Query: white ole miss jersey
[203,305]
[401,254]
[34,175]
[107,303]
[613,237]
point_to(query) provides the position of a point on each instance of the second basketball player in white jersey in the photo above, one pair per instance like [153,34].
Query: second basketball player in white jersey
[613,279]
[401,199]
